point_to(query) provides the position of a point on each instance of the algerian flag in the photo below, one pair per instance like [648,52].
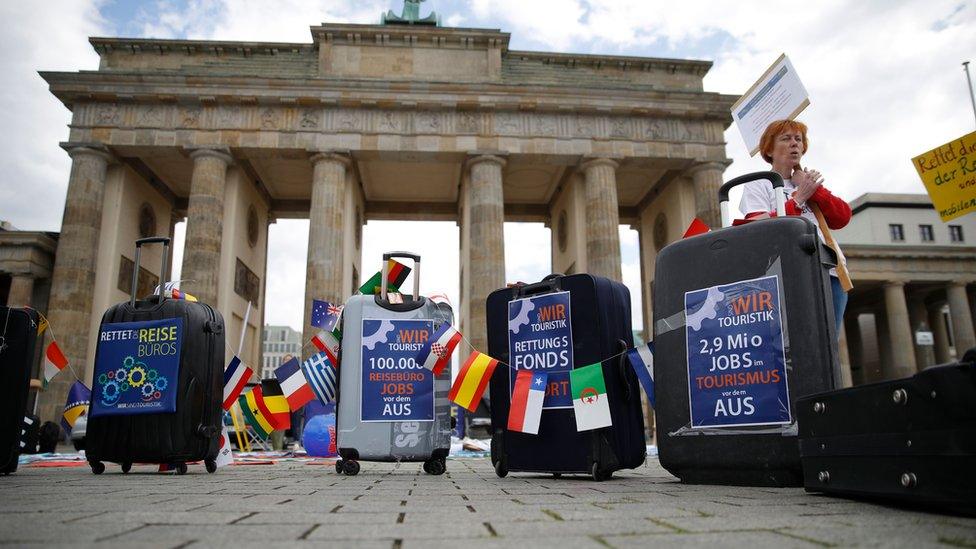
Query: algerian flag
[590,397]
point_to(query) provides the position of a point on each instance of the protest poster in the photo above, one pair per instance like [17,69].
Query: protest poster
[394,386]
[777,95]
[540,337]
[949,175]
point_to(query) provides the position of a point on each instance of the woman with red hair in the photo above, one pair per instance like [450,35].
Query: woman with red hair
[783,145]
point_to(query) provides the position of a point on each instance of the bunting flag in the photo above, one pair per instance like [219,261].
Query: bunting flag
[642,360]
[225,456]
[321,376]
[328,343]
[79,397]
[325,315]
[178,294]
[697,227]
[236,377]
[436,352]
[54,361]
[590,397]
[293,383]
[41,326]
[253,408]
[525,410]
[397,274]
[276,403]
[472,381]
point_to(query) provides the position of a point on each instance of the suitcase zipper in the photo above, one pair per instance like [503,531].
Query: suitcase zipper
[207,420]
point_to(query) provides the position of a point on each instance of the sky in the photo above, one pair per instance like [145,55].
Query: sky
[884,77]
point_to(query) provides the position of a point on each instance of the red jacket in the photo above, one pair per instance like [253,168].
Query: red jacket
[835,209]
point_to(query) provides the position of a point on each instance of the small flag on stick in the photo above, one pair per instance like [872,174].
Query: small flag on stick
[396,275]
[54,361]
[293,384]
[328,343]
[79,397]
[236,377]
[321,376]
[325,315]
[527,396]
[436,353]
[590,397]
[472,380]
[253,408]
[277,404]
[642,360]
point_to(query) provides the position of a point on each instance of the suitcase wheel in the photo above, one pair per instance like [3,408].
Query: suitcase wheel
[211,465]
[435,466]
[181,469]
[500,470]
[338,466]
[598,474]
[126,467]
[97,467]
[350,467]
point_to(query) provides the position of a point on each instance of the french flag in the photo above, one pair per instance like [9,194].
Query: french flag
[293,384]
[236,377]
[526,408]
[436,353]
[328,344]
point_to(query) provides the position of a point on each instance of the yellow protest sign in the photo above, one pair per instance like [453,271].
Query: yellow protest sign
[949,175]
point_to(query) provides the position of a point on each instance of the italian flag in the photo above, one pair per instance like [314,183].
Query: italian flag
[590,397]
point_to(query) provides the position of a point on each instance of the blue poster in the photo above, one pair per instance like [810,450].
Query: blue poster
[138,368]
[395,387]
[736,360]
[540,337]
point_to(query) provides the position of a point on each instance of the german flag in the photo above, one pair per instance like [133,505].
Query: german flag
[276,403]
[252,405]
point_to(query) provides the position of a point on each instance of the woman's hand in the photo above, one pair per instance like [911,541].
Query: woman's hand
[807,182]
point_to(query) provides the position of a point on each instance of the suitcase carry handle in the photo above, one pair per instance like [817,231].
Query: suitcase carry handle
[624,366]
[547,284]
[775,178]
[386,271]
[162,270]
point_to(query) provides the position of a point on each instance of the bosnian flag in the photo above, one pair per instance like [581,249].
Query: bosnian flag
[328,344]
[236,377]
[54,361]
[436,353]
[293,384]
[642,360]
[526,408]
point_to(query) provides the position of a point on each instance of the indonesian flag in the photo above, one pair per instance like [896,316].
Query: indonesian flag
[328,344]
[54,361]
[436,353]
[236,377]
[526,408]
[590,397]
[293,384]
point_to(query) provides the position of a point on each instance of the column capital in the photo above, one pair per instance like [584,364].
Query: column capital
[339,156]
[710,165]
[594,161]
[220,152]
[495,157]
[75,148]
[894,283]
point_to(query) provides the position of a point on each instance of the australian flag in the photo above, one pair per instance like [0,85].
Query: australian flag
[325,315]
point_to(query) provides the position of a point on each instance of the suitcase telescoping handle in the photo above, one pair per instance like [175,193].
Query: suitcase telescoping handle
[775,178]
[386,271]
[162,270]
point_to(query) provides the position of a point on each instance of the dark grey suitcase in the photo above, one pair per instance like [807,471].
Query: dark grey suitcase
[18,337]
[190,433]
[706,430]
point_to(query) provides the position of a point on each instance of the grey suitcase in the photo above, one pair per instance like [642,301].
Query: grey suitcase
[390,408]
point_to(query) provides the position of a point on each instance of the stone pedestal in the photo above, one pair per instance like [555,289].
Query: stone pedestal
[204,223]
[602,218]
[21,290]
[74,269]
[962,320]
[707,179]
[900,339]
[487,241]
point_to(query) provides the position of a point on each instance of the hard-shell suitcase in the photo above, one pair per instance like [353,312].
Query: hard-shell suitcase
[910,440]
[18,337]
[743,325]
[157,388]
[599,328]
[389,407]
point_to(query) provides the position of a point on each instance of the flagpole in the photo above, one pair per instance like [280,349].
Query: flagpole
[969,81]
[247,315]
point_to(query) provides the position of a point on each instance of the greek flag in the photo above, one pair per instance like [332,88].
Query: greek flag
[321,376]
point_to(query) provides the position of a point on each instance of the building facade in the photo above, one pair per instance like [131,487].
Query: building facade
[280,342]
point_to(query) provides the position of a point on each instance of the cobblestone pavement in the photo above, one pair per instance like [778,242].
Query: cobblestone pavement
[385,506]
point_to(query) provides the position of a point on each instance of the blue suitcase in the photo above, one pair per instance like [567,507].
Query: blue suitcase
[599,318]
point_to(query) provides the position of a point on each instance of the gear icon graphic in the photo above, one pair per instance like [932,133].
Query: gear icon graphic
[157,395]
[110,375]
[162,383]
[128,362]
[147,390]
[137,376]
[102,379]
[120,374]
[151,375]
[111,392]
[124,386]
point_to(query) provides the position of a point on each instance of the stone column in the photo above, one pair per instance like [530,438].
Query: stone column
[855,349]
[885,358]
[924,354]
[899,331]
[323,271]
[487,241]
[602,218]
[844,357]
[21,290]
[940,334]
[707,179]
[69,310]
[962,320]
[204,223]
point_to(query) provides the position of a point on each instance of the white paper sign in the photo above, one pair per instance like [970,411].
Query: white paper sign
[778,95]
[924,338]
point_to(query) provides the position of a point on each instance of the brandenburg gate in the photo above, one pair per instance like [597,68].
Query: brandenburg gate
[394,122]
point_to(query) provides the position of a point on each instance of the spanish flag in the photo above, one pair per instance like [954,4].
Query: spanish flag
[252,405]
[276,403]
[472,381]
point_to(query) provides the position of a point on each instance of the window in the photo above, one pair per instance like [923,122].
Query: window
[926,233]
[897,231]
[283,335]
[955,233]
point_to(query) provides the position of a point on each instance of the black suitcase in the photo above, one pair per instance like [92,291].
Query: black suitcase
[30,434]
[741,430]
[911,440]
[190,433]
[18,337]
[599,311]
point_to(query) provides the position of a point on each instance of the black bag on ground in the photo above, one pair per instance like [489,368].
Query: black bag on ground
[48,437]
[743,431]
[599,314]
[18,337]
[192,431]
[911,440]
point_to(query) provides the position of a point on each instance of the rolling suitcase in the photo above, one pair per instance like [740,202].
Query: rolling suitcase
[598,327]
[743,325]
[18,336]
[910,440]
[157,387]
[390,408]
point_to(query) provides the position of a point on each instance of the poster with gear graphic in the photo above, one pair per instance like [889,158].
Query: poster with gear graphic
[394,386]
[137,368]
